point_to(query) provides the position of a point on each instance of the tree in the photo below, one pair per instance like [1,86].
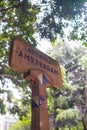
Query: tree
[16,18]
[73,92]
[61,14]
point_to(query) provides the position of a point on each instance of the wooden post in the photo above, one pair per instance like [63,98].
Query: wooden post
[39,119]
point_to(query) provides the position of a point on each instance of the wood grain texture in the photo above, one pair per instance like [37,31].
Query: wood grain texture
[25,57]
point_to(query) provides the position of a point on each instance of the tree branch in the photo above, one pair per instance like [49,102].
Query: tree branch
[8,76]
[14,6]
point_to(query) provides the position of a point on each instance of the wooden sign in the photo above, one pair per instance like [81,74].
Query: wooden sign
[42,71]
[26,58]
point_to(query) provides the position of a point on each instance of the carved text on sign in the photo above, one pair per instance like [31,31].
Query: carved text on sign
[37,62]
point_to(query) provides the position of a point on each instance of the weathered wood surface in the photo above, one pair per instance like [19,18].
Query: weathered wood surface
[39,119]
[25,57]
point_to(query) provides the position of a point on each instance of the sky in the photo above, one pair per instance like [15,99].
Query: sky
[44,45]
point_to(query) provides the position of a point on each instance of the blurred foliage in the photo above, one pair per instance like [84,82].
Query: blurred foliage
[2,107]
[21,125]
[16,18]
[69,102]
[62,14]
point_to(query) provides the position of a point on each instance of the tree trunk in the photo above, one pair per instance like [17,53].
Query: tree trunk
[84,118]
[77,127]
[69,128]
[84,122]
